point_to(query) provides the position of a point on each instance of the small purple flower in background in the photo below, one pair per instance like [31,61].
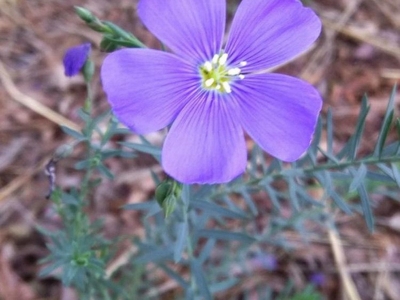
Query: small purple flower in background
[264,261]
[75,58]
[318,279]
[213,93]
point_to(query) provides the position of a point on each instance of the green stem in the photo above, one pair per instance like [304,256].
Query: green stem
[313,169]
[189,247]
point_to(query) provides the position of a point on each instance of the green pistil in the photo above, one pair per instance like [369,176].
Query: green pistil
[217,76]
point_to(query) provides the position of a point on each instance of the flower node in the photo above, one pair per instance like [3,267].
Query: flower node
[216,75]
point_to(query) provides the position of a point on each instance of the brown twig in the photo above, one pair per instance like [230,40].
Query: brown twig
[31,103]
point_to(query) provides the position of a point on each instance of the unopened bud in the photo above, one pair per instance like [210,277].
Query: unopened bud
[84,14]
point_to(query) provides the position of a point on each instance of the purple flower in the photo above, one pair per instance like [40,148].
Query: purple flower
[318,279]
[75,58]
[213,93]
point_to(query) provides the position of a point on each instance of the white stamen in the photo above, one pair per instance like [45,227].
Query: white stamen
[222,60]
[218,87]
[208,66]
[227,87]
[241,76]
[209,82]
[234,71]
[243,63]
[215,59]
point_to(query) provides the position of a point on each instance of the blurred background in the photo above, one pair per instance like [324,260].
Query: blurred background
[358,52]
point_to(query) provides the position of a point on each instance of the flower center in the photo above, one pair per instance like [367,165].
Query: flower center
[216,75]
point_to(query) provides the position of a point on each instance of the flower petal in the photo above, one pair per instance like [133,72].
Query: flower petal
[192,29]
[266,34]
[75,58]
[147,88]
[279,112]
[205,144]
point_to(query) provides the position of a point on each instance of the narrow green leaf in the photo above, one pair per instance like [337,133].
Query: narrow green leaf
[154,256]
[83,164]
[185,195]
[294,200]
[226,235]
[375,176]
[358,179]
[350,149]
[179,247]
[387,122]
[249,201]
[206,251]
[275,165]
[102,116]
[366,207]
[224,285]
[146,206]
[105,171]
[317,138]
[201,280]
[75,134]
[328,155]
[174,275]
[84,116]
[396,174]
[273,195]
[325,180]
[398,134]
[329,132]
[149,149]
[213,209]
[122,131]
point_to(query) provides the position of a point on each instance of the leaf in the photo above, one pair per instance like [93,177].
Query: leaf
[146,206]
[158,254]
[350,149]
[317,138]
[149,149]
[185,195]
[83,164]
[396,174]
[206,251]
[273,195]
[174,275]
[224,285]
[324,178]
[387,122]
[329,132]
[366,207]
[181,233]
[294,200]
[275,165]
[200,278]
[105,171]
[226,235]
[213,209]
[75,134]
[358,178]
[249,201]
